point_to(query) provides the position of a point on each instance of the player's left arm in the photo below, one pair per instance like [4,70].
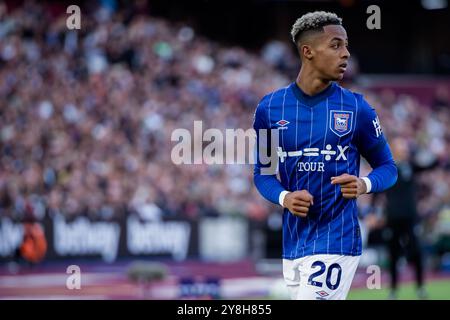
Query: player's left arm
[372,145]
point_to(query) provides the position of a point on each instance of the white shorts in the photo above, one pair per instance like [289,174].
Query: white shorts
[320,277]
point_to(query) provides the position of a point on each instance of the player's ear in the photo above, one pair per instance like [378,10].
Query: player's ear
[306,51]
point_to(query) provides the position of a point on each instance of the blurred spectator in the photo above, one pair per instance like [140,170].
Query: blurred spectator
[34,244]
[401,217]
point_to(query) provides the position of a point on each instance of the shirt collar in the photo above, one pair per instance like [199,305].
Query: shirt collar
[314,99]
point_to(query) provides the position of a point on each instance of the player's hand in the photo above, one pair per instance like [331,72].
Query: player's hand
[298,202]
[351,186]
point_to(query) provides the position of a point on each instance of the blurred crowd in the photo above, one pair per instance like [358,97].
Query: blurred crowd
[87,116]
[420,136]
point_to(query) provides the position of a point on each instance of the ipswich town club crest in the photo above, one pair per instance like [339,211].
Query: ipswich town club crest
[341,122]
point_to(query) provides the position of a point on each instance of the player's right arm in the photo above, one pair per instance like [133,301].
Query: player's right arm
[264,174]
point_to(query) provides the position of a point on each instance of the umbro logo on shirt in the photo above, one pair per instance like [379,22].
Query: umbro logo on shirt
[282,124]
[321,295]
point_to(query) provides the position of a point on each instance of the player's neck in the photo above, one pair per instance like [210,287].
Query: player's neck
[310,83]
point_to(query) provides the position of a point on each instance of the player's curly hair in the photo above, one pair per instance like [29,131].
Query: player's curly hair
[313,21]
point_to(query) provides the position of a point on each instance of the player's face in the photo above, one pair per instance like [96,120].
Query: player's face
[330,52]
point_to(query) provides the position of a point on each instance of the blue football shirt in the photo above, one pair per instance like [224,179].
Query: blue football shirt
[321,136]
